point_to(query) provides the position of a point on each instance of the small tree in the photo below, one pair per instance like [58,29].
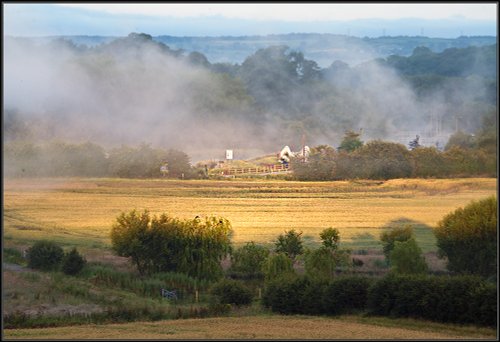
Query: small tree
[468,238]
[290,244]
[351,142]
[330,238]
[178,164]
[45,255]
[406,257]
[73,262]
[277,265]
[320,263]
[129,238]
[248,260]
[396,234]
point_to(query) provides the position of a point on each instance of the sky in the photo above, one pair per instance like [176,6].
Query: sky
[303,11]
[212,19]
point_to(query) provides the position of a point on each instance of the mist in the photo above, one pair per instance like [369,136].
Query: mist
[133,90]
[122,97]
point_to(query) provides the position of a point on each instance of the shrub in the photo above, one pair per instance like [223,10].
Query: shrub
[320,263]
[406,257]
[346,294]
[165,244]
[384,160]
[320,164]
[285,294]
[248,261]
[388,238]
[73,262]
[303,295]
[45,255]
[229,291]
[457,299]
[313,297]
[276,266]
[468,238]
[428,162]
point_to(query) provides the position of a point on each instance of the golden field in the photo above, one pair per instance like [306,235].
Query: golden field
[81,211]
[261,327]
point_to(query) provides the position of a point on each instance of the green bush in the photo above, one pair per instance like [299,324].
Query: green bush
[313,297]
[285,294]
[276,266]
[384,160]
[388,238]
[456,299]
[406,257]
[346,294]
[45,255]
[73,262]
[164,244]
[229,291]
[320,263]
[310,296]
[467,237]
[428,162]
[248,261]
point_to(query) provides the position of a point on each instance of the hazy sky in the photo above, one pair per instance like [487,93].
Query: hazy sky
[304,11]
[233,19]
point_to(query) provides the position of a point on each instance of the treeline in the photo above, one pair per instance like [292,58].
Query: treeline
[62,159]
[274,87]
[464,155]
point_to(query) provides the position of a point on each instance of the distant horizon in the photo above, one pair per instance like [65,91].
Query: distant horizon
[250,35]
[243,19]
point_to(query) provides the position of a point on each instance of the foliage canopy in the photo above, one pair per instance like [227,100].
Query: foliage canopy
[467,237]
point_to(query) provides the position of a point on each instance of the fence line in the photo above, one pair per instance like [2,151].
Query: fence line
[256,170]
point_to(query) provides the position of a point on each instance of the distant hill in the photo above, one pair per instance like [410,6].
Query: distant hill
[322,48]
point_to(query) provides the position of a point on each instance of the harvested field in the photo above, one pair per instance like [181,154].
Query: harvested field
[259,327]
[81,211]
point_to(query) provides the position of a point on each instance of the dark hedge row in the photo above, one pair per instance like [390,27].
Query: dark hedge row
[302,295]
[449,299]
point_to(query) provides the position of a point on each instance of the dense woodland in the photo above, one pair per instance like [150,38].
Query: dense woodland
[81,114]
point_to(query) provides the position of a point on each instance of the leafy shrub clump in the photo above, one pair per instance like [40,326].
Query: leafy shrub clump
[313,296]
[229,291]
[73,262]
[346,294]
[457,299]
[467,237]
[45,255]
[247,262]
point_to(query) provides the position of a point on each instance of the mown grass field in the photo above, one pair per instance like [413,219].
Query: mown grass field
[263,327]
[80,211]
